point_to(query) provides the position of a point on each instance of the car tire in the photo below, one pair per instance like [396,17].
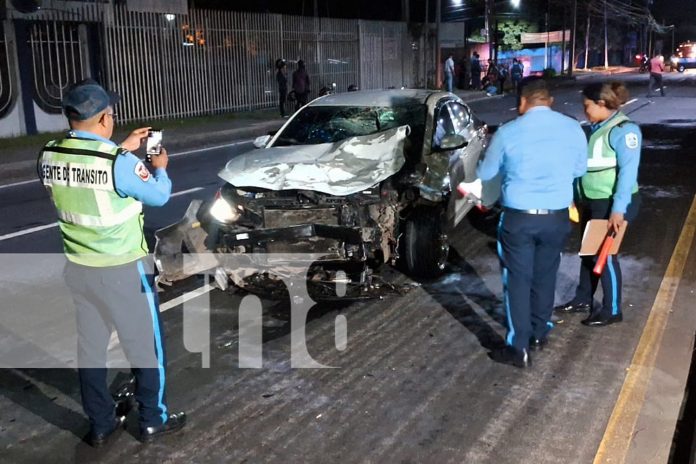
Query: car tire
[680,68]
[425,246]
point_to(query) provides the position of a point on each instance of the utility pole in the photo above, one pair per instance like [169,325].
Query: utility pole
[316,8]
[426,36]
[572,40]
[606,37]
[438,57]
[489,25]
[405,14]
[587,39]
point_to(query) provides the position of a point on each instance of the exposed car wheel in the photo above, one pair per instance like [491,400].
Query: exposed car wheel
[425,248]
[680,68]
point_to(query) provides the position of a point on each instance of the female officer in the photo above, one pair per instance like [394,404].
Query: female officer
[609,190]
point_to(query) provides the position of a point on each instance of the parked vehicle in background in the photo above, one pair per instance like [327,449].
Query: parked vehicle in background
[685,57]
[362,178]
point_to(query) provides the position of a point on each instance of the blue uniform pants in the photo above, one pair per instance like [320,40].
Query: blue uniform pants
[611,276]
[120,297]
[529,247]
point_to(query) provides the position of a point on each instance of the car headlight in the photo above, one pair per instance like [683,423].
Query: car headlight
[223,211]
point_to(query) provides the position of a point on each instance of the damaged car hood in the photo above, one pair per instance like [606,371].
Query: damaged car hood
[340,168]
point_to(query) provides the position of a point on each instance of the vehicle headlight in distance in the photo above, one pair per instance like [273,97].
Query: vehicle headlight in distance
[223,211]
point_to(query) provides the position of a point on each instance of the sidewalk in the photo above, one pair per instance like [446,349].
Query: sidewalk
[18,161]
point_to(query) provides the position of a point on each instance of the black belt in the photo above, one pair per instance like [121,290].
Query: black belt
[537,211]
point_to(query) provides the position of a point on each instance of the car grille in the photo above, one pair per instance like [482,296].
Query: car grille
[277,218]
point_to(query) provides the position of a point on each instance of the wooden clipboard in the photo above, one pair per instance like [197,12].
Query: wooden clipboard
[595,232]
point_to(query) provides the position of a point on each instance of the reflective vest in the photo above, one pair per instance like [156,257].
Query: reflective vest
[600,180]
[99,227]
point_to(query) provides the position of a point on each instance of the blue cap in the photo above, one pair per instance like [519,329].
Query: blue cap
[86,99]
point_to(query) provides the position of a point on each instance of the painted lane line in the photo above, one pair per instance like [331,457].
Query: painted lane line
[188,296]
[184,192]
[55,224]
[620,430]
[173,155]
[17,184]
[630,101]
[27,231]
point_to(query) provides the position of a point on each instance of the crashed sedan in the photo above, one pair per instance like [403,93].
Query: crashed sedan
[357,180]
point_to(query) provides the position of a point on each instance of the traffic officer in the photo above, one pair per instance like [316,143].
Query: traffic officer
[98,189]
[609,190]
[538,155]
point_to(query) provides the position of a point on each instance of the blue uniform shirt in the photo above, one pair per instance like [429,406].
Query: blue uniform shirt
[538,155]
[151,190]
[626,141]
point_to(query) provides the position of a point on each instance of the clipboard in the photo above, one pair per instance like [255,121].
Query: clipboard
[595,232]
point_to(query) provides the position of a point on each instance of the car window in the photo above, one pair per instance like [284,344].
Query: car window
[443,124]
[460,116]
[330,124]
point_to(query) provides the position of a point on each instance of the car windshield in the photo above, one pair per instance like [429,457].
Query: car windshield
[330,124]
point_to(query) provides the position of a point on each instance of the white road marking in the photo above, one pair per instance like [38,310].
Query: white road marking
[173,155]
[513,108]
[630,101]
[186,297]
[55,224]
[27,231]
[184,192]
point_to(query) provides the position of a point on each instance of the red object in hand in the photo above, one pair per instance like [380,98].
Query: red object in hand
[604,253]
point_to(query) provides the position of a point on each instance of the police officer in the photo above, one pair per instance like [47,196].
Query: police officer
[98,189]
[538,155]
[609,190]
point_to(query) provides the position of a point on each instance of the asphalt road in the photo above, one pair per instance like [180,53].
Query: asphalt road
[415,383]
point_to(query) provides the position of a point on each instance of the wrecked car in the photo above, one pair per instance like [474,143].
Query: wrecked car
[357,180]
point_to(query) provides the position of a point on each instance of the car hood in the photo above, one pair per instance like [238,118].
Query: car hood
[340,168]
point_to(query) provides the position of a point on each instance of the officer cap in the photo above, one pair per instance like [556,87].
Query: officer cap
[86,99]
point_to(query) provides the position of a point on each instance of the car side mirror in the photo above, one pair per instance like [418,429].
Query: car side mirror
[452,142]
[261,142]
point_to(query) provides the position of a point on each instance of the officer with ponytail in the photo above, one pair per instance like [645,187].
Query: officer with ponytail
[609,191]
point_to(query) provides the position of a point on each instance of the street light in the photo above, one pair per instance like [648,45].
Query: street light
[515,3]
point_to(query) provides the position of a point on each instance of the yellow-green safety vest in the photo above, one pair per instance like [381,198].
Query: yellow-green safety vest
[99,227]
[600,180]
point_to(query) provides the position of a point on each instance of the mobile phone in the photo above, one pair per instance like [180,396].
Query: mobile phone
[154,142]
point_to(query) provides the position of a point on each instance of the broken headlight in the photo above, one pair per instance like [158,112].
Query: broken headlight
[224,210]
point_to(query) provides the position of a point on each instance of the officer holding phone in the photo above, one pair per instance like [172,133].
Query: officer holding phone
[99,189]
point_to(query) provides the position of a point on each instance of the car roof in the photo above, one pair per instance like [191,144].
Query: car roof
[374,98]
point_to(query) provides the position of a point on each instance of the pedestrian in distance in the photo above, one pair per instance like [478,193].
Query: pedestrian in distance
[538,155]
[449,72]
[609,190]
[492,73]
[502,77]
[282,78]
[99,202]
[475,71]
[657,67]
[300,85]
[516,74]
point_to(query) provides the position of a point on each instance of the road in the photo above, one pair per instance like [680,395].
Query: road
[415,383]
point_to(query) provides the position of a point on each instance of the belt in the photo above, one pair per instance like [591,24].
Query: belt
[537,211]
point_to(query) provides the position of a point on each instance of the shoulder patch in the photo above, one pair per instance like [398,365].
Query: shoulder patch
[632,140]
[142,171]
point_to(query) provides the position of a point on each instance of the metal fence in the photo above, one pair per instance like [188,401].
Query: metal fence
[215,61]
[205,62]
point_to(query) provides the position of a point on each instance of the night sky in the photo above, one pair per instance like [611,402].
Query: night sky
[682,13]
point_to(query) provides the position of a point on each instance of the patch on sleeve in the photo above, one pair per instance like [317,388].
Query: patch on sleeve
[632,140]
[142,171]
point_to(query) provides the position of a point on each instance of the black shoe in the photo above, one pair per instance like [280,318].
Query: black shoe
[98,440]
[599,319]
[537,344]
[512,357]
[174,423]
[572,307]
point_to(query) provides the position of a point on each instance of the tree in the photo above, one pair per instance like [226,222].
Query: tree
[512,30]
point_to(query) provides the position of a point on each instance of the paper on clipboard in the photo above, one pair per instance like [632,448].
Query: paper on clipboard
[595,232]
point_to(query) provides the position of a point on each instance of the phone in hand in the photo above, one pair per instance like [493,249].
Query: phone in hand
[153,146]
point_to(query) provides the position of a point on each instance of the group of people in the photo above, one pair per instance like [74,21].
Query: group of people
[300,85]
[494,80]
[546,164]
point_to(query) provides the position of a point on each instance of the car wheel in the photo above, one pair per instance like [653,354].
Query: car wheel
[425,245]
[680,68]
